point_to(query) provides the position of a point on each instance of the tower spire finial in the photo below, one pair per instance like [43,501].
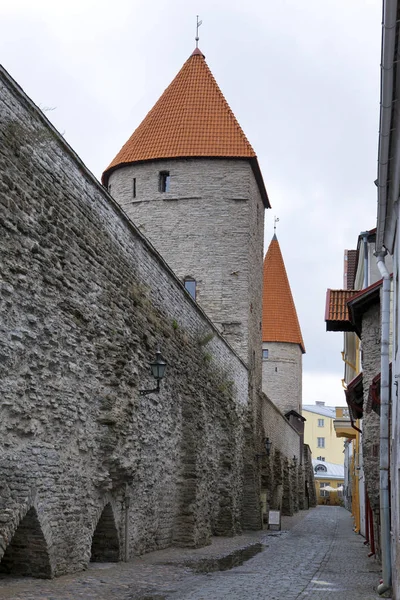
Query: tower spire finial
[276,220]
[197,31]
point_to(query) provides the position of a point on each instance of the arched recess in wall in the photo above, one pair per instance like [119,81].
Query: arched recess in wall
[105,541]
[27,553]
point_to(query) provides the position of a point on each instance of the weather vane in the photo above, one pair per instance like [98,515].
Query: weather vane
[197,31]
[276,220]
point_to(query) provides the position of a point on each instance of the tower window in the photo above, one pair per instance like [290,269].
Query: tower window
[321,423]
[321,442]
[134,187]
[164,181]
[190,286]
[265,353]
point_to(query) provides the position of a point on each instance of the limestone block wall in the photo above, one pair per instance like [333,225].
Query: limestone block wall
[282,477]
[282,375]
[281,433]
[85,302]
[310,499]
[370,339]
[207,226]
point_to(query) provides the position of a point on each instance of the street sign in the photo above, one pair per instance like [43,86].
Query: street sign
[274,519]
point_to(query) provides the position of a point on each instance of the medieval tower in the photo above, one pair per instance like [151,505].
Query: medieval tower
[190,180]
[283,345]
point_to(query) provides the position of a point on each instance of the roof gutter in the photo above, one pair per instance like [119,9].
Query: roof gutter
[389,30]
[384,428]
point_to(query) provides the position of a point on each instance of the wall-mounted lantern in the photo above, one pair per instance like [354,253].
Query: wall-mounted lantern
[158,372]
[267,446]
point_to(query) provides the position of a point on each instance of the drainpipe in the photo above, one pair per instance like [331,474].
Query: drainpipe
[384,427]
[126,536]
[389,19]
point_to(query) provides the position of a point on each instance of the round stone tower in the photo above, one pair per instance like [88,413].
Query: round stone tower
[190,180]
[282,342]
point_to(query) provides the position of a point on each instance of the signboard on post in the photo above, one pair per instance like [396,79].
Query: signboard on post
[274,519]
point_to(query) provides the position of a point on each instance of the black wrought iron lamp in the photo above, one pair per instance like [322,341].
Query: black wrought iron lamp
[267,446]
[158,372]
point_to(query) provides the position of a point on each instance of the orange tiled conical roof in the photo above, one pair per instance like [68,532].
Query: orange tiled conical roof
[279,316]
[190,119]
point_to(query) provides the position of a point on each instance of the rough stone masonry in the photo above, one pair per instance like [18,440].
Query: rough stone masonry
[89,469]
[85,302]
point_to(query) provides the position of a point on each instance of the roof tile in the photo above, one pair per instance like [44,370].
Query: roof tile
[191,118]
[337,315]
[279,316]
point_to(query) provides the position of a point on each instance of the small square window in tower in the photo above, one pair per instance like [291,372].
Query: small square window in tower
[265,354]
[190,286]
[164,181]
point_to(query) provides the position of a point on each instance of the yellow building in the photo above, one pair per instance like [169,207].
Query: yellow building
[320,435]
[329,482]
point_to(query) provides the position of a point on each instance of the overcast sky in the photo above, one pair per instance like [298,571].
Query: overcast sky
[301,77]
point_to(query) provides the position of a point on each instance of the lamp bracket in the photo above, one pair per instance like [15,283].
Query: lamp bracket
[153,391]
[261,455]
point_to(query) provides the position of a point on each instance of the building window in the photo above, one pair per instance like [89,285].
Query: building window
[190,286]
[265,354]
[164,181]
[321,423]
[321,442]
[324,493]
[134,187]
[320,468]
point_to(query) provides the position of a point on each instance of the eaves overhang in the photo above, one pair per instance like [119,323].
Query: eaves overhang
[337,316]
[295,414]
[344,429]
[362,301]
[374,393]
[355,398]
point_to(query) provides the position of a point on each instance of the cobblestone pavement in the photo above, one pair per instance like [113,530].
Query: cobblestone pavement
[316,557]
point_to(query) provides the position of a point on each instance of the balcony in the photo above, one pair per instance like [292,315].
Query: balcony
[342,423]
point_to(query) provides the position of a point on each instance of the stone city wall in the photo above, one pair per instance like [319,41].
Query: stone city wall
[371,345]
[282,476]
[85,302]
[282,434]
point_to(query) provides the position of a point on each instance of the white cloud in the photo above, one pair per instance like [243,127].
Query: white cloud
[325,387]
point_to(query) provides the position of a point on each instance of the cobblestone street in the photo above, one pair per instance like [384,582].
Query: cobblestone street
[316,556]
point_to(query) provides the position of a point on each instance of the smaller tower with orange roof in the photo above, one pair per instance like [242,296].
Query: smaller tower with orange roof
[283,345]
